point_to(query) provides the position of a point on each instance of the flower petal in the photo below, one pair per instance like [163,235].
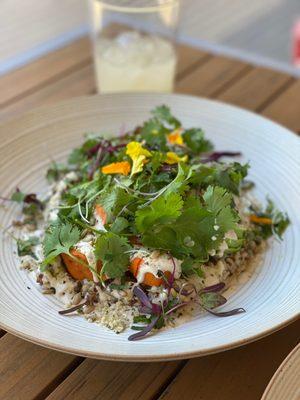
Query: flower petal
[122,167]
[175,137]
[173,158]
[135,149]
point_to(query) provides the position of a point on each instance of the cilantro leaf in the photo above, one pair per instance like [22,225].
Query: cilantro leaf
[154,133]
[112,250]
[228,176]
[119,225]
[113,200]
[165,238]
[163,114]
[217,198]
[194,138]
[180,182]
[194,230]
[219,202]
[162,211]
[59,238]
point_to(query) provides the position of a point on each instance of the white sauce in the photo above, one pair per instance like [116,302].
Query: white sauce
[99,225]
[155,262]
[87,249]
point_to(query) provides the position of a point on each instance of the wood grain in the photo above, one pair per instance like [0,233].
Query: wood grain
[108,381]
[45,70]
[78,83]
[238,374]
[188,59]
[28,371]
[256,88]
[285,109]
[211,78]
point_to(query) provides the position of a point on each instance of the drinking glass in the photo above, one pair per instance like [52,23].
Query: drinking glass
[134,44]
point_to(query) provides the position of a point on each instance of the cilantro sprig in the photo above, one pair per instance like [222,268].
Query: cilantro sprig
[59,238]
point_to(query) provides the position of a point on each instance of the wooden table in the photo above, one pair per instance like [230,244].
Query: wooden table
[31,372]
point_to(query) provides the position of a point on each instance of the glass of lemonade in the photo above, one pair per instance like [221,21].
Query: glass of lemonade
[134,44]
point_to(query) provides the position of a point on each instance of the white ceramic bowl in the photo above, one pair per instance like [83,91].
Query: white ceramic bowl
[271,297]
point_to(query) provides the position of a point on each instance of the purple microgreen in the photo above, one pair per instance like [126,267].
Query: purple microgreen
[106,146]
[74,308]
[156,309]
[215,156]
[145,310]
[141,295]
[225,313]
[172,277]
[187,289]
[167,168]
[95,164]
[145,331]
[213,288]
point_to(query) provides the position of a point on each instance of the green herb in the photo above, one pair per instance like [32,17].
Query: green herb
[55,171]
[25,247]
[18,196]
[141,319]
[280,222]
[113,251]
[59,238]
[194,138]
[119,225]
[211,300]
[162,211]
[163,114]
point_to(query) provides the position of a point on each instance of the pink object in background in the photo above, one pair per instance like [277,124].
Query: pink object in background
[296,44]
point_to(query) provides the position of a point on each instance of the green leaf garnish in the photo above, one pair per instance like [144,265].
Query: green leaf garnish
[112,250]
[59,238]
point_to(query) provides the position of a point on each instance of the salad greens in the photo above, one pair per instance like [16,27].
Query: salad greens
[159,187]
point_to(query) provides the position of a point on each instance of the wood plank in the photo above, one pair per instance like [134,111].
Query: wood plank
[242,373]
[23,81]
[189,58]
[28,371]
[256,88]
[109,380]
[213,77]
[82,82]
[286,108]
[78,83]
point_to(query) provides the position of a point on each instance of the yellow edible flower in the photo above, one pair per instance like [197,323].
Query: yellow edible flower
[122,167]
[173,158]
[138,155]
[175,137]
